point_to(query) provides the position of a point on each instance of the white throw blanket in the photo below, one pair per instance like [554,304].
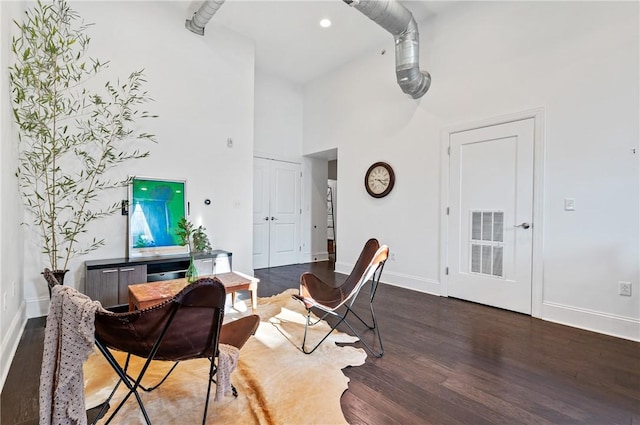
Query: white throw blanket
[227,362]
[68,341]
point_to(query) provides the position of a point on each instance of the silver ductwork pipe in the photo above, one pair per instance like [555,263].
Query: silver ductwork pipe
[399,21]
[200,19]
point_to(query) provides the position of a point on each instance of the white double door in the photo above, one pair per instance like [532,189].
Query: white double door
[490,219]
[276,213]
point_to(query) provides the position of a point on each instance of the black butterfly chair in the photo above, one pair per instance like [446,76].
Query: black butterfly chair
[188,326]
[314,293]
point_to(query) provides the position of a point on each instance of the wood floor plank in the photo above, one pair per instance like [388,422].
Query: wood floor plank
[19,397]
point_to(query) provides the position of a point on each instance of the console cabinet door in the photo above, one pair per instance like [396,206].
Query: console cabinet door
[130,276]
[221,265]
[204,266]
[102,285]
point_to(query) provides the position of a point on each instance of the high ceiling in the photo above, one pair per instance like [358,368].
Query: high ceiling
[290,43]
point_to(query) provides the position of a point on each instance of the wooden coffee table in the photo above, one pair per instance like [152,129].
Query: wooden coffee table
[145,295]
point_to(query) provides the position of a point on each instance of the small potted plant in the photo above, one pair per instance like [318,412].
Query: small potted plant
[197,241]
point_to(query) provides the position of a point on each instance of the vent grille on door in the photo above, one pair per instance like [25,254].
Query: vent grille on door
[487,240]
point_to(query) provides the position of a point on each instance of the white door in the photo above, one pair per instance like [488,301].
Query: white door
[276,213]
[491,209]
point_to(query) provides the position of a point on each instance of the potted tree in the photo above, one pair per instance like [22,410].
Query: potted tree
[197,240]
[70,136]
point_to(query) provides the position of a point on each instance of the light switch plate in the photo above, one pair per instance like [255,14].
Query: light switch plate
[569,204]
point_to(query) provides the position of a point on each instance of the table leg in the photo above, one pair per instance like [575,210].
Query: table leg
[253,288]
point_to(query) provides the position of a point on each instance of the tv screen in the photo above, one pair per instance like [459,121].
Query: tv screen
[155,207]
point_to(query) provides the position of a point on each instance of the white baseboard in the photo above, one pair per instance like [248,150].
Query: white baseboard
[343,268]
[604,323]
[414,283]
[10,343]
[37,307]
[314,257]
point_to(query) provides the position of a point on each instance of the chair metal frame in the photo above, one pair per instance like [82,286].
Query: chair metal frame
[134,384]
[373,273]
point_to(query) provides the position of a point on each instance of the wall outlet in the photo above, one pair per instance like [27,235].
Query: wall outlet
[624,288]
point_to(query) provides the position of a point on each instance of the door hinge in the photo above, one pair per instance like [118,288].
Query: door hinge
[448,150]
[446,270]
[447,210]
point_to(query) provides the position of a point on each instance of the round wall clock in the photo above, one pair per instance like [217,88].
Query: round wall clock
[379,179]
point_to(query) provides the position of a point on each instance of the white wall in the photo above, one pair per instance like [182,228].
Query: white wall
[577,60]
[203,91]
[278,118]
[12,305]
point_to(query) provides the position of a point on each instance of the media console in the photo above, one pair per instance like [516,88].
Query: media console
[108,281]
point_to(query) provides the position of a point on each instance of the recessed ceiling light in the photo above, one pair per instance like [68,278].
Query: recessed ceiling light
[325,23]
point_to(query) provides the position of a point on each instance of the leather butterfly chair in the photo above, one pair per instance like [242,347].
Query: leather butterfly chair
[188,326]
[330,299]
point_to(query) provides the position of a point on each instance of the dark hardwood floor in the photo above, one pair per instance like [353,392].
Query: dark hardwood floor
[446,361]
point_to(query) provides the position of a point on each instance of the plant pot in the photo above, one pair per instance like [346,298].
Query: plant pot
[59,274]
[59,279]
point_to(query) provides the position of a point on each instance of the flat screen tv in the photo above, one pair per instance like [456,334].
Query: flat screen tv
[155,207]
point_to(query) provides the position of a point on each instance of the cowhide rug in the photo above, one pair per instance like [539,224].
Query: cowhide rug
[276,382]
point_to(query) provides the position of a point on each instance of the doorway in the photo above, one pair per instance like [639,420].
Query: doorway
[332,208]
[489,232]
[276,213]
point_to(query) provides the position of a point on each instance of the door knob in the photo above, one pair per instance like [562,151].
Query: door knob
[266,218]
[273,218]
[523,225]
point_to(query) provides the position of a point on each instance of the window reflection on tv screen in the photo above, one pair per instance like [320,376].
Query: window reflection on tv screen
[155,207]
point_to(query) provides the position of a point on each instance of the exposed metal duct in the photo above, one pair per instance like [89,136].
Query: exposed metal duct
[389,14]
[399,21]
[200,19]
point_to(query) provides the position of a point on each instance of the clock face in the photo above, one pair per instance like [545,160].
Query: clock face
[379,179]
